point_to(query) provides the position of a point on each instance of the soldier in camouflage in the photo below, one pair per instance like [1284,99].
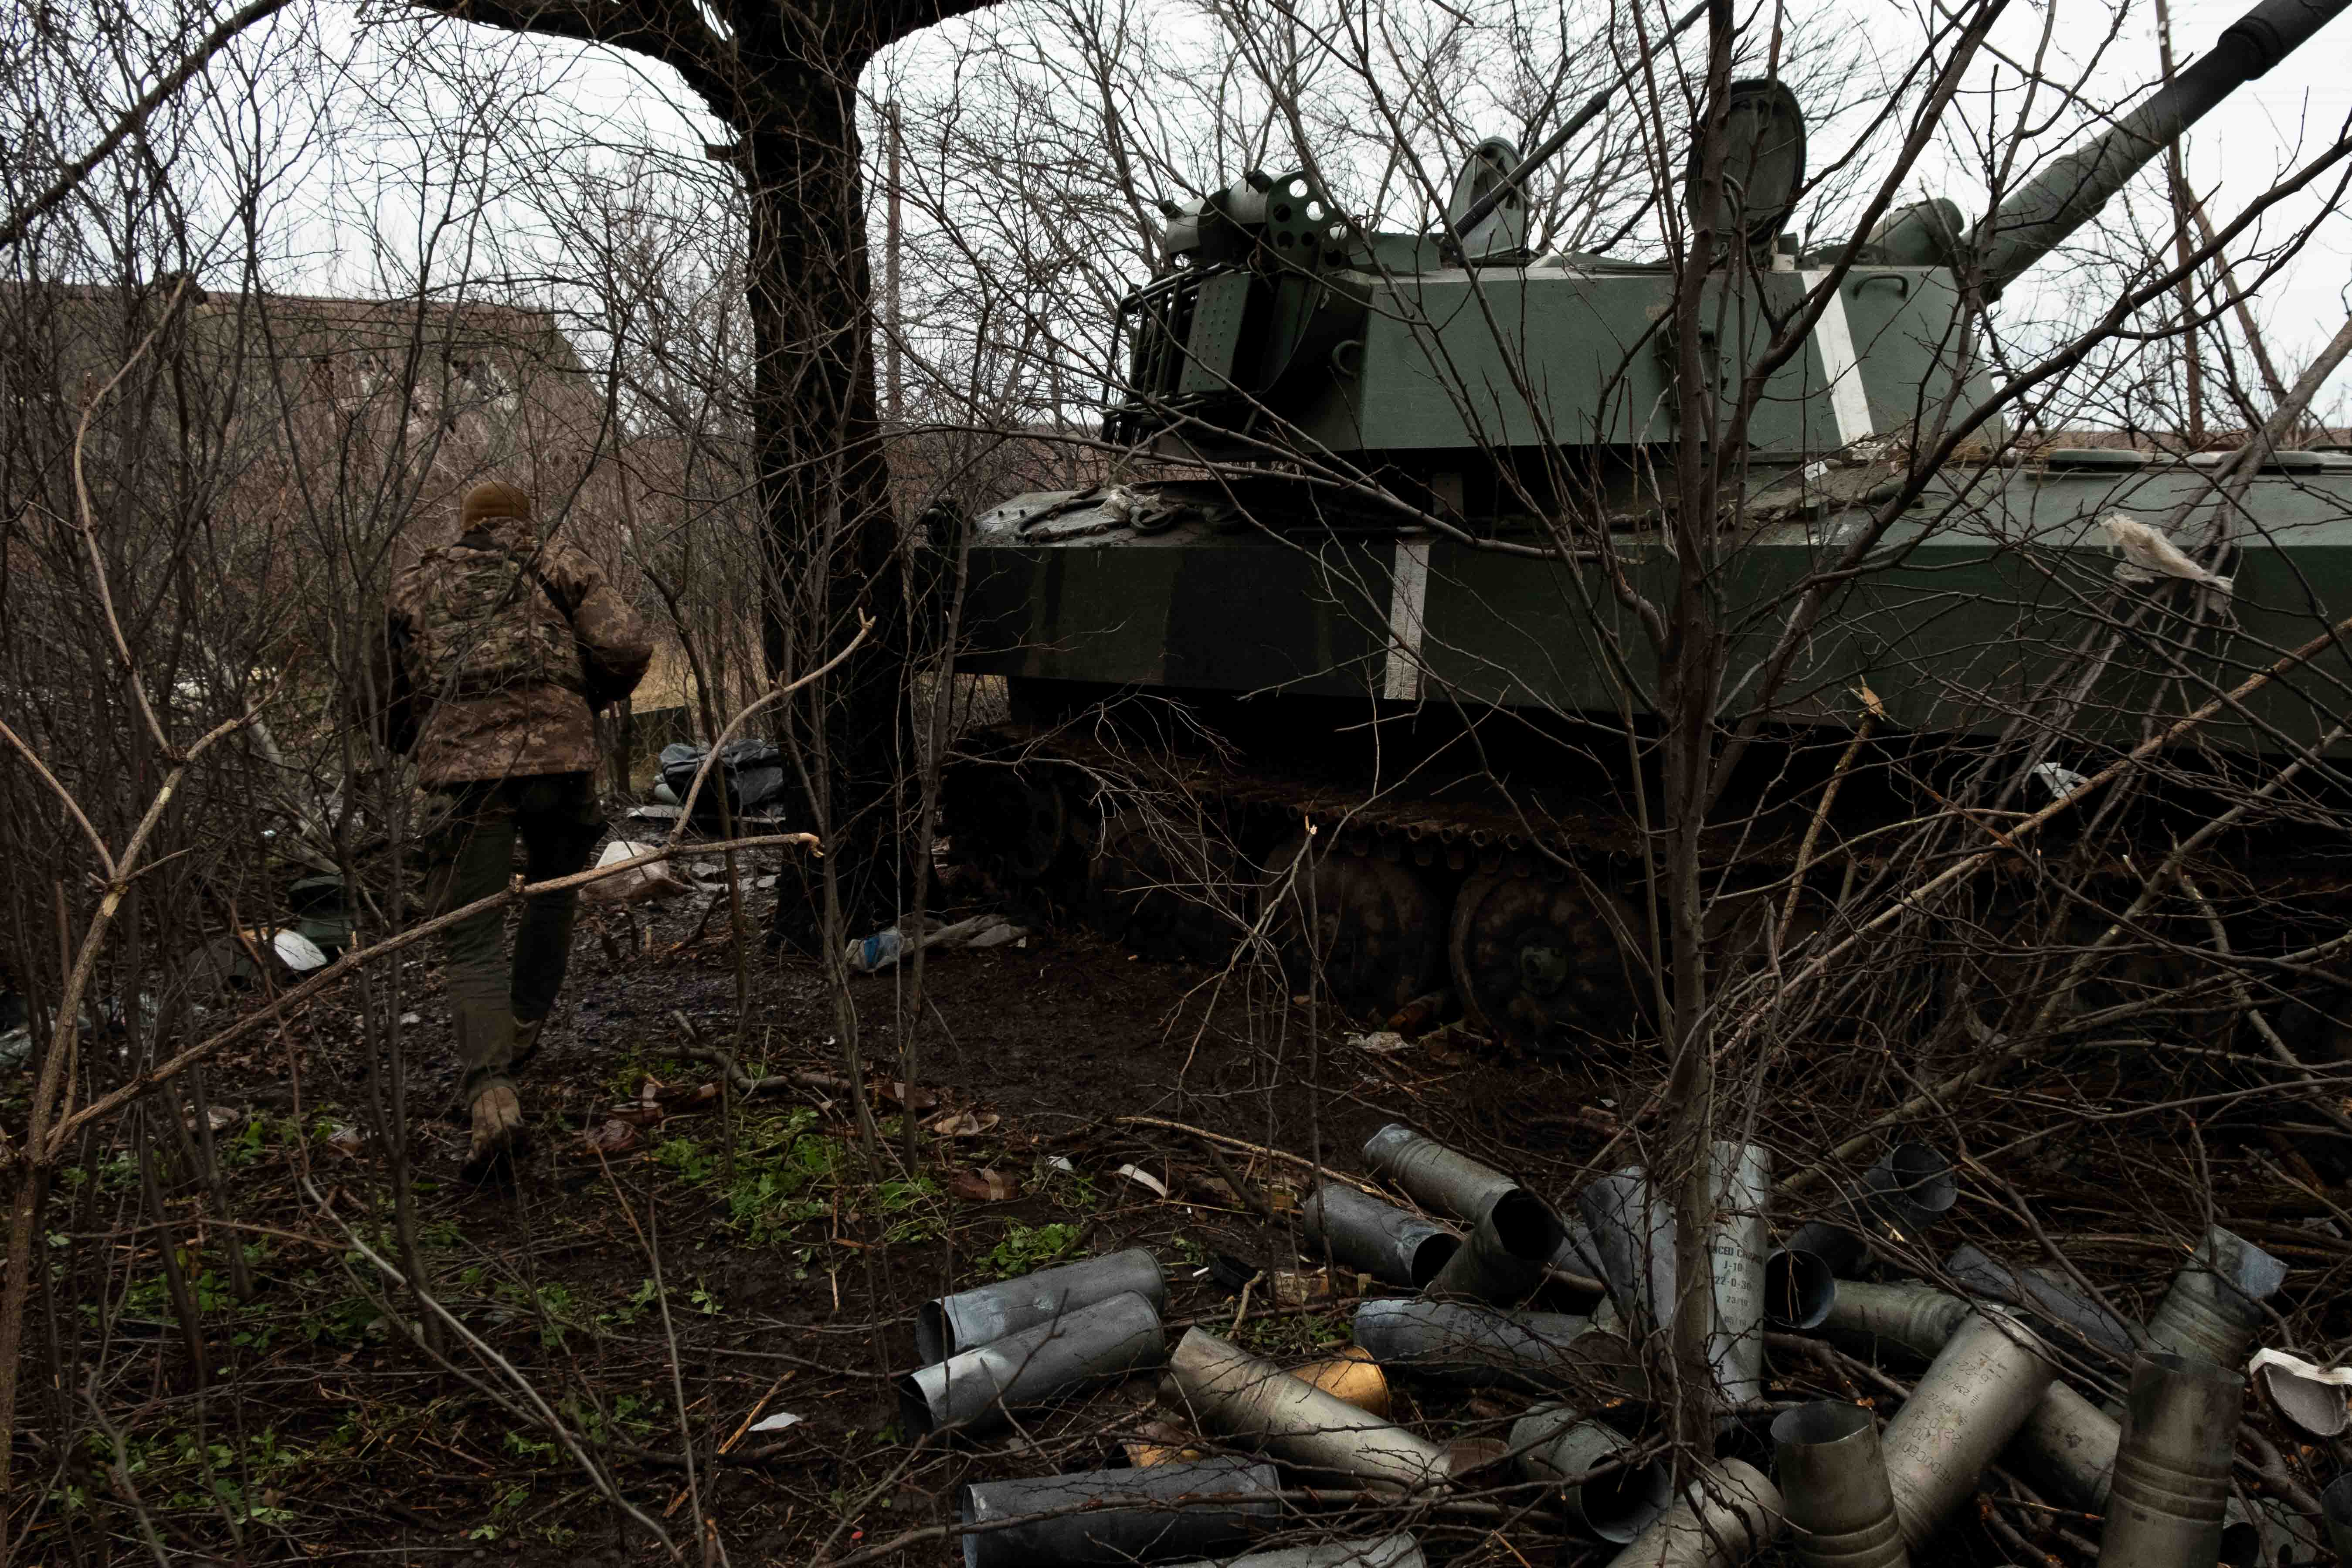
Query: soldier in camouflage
[503,646]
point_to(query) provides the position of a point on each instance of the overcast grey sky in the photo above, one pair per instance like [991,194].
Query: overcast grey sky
[2236,153]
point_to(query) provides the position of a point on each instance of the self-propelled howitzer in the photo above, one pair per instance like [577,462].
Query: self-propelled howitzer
[1372,583]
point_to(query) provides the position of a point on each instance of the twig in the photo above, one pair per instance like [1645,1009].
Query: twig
[1245,1146]
[604,1483]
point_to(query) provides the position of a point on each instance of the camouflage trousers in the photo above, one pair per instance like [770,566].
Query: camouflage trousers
[469,833]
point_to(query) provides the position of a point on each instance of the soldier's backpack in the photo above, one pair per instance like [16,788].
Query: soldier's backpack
[488,622]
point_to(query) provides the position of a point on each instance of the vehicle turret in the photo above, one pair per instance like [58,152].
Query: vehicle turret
[1281,330]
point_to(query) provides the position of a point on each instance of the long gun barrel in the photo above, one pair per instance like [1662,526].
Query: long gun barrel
[2037,218]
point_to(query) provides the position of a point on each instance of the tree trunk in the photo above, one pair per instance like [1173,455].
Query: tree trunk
[832,539]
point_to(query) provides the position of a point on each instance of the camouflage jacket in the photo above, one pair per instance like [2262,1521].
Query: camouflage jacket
[500,650]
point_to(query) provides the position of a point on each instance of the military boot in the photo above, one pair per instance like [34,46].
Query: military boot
[486,1048]
[497,1132]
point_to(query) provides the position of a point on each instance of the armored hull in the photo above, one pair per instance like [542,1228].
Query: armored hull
[1368,676]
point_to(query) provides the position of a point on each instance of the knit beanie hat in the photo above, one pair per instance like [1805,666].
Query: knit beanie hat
[485,504]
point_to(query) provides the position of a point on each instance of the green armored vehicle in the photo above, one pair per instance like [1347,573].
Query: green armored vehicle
[1375,621]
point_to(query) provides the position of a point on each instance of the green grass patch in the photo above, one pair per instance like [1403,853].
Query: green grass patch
[1028,1248]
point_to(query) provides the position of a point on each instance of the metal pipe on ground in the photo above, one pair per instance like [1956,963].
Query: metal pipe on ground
[1633,1229]
[1393,1246]
[2054,1301]
[1841,1505]
[2336,1512]
[1556,1443]
[2172,1472]
[970,1318]
[1800,1286]
[1919,1318]
[1912,1187]
[2213,1310]
[2066,1442]
[1723,1517]
[2068,1447]
[971,1391]
[1742,1178]
[1504,1260]
[1902,1197]
[1186,1508]
[1973,1397]
[1477,1346]
[1578,1253]
[1229,1391]
[1437,1177]
[1398,1551]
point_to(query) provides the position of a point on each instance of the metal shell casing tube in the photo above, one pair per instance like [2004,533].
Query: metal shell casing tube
[1398,1551]
[1578,1253]
[2172,1472]
[1199,1505]
[1477,1346]
[1229,1391]
[1841,1508]
[1633,1226]
[1918,1318]
[1387,1243]
[970,1318]
[974,1389]
[1742,1178]
[1799,1289]
[1912,1188]
[1723,1518]
[1971,1401]
[2068,1444]
[2055,1302]
[2212,1310]
[1508,1251]
[1902,1197]
[2336,1510]
[1633,1233]
[1556,1443]
[1438,1177]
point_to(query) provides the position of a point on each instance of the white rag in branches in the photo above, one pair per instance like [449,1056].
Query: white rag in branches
[2152,553]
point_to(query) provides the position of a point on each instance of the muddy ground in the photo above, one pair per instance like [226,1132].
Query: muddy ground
[727,1259]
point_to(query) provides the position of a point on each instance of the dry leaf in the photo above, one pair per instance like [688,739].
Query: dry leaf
[917,1100]
[963,1123]
[984,1187]
[613,1136]
[1143,1178]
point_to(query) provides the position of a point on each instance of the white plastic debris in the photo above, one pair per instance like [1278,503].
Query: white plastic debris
[887,947]
[642,885]
[297,951]
[2150,554]
[776,1422]
[2310,1398]
[1143,1178]
[2061,781]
